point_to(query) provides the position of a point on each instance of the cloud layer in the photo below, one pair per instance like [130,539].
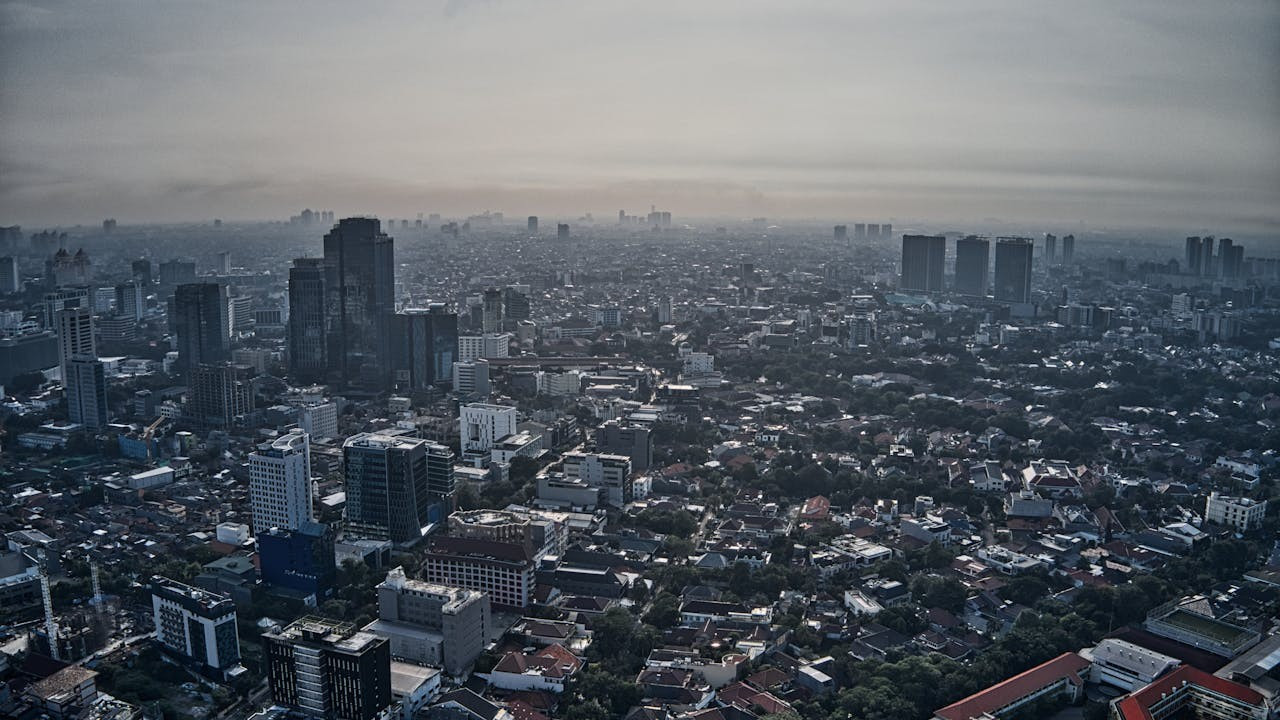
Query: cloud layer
[1153,113]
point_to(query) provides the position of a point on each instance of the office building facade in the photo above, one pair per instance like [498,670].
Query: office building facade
[426,342]
[280,483]
[86,391]
[196,624]
[327,669]
[1013,270]
[922,262]
[396,486]
[973,261]
[202,324]
[431,623]
[308,345]
[219,396]
[360,285]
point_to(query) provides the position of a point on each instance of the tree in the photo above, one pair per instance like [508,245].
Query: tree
[664,612]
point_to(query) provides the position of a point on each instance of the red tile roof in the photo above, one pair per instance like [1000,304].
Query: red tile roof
[1136,706]
[1067,665]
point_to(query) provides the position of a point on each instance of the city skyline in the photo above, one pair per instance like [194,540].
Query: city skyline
[1151,114]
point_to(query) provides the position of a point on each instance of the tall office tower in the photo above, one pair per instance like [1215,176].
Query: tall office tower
[222,263]
[360,285]
[841,233]
[1013,270]
[308,346]
[219,395]
[533,223]
[973,260]
[240,315]
[1068,249]
[75,336]
[10,280]
[395,485]
[86,391]
[634,441]
[326,669]
[859,231]
[426,345]
[1195,256]
[197,624]
[1225,254]
[432,624]
[1050,248]
[515,303]
[280,483]
[873,231]
[142,271]
[131,300]
[491,320]
[1236,261]
[202,324]
[562,231]
[886,231]
[664,310]
[482,425]
[922,262]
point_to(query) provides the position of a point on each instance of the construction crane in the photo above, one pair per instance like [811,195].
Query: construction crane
[50,623]
[97,586]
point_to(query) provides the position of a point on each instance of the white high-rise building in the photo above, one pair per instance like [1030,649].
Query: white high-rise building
[474,347]
[482,425]
[320,420]
[195,623]
[280,483]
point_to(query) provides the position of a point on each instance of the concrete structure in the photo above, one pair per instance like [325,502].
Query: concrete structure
[487,346]
[1243,514]
[471,379]
[922,262]
[432,624]
[1190,692]
[1013,270]
[634,441]
[610,473]
[481,426]
[1124,665]
[973,263]
[280,483]
[201,321]
[86,391]
[195,624]
[1062,676]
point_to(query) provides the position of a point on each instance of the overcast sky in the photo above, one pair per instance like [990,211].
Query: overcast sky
[1142,112]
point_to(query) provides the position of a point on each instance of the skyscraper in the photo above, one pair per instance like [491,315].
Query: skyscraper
[219,395]
[533,223]
[280,483]
[492,311]
[202,323]
[426,346]
[396,486]
[308,346]
[1195,256]
[142,271]
[1013,270]
[10,280]
[360,285]
[922,261]
[562,231]
[1050,248]
[196,624]
[515,304]
[841,233]
[86,391]
[327,669]
[973,260]
[1068,249]
[131,300]
[75,336]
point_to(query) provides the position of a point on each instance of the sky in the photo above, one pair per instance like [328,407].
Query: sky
[1142,113]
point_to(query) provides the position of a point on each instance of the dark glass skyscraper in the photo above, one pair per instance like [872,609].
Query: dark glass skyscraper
[426,345]
[973,258]
[308,348]
[396,486]
[1013,270]
[922,262]
[202,324]
[360,284]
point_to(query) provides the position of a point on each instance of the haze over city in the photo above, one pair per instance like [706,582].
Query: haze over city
[1136,114]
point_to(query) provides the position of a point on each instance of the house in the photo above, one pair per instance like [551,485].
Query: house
[547,669]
